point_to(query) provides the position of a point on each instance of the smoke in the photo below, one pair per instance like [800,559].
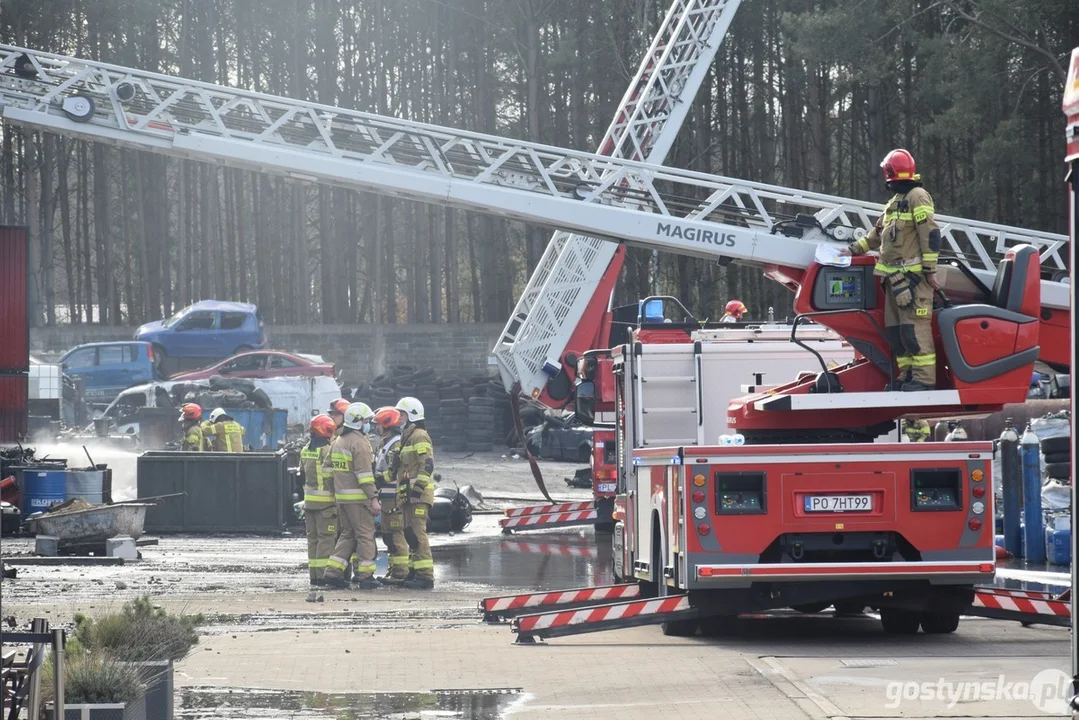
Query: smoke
[122,462]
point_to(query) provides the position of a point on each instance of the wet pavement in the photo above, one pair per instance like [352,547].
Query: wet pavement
[195,703]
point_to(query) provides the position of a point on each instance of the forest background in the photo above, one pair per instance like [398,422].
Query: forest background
[803,93]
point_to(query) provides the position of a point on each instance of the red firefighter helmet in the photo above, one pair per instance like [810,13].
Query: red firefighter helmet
[339,406]
[736,309]
[389,417]
[190,411]
[323,426]
[899,165]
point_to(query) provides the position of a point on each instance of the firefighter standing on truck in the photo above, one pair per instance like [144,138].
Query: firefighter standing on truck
[224,433]
[319,510]
[390,420]
[357,501]
[415,487]
[194,440]
[908,240]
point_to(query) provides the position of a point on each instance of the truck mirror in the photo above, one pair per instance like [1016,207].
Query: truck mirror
[585,402]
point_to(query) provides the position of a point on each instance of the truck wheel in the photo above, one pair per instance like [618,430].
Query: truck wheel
[939,623]
[680,628]
[811,608]
[714,625]
[899,622]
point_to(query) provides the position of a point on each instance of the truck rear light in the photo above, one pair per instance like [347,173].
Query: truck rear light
[977,508]
[975,524]
[698,496]
[699,480]
[935,489]
[604,473]
[977,476]
[741,493]
[978,491]
[703,529]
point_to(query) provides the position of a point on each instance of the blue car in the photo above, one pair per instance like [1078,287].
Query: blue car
[206,329]
[107,368]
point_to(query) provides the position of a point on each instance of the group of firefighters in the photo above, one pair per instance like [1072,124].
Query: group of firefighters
[348,485]
[220,433]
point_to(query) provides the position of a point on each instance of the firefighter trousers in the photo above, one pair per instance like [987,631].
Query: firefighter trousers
[321,538]
[393,534]
[910,334]
[357,537]
[420,559]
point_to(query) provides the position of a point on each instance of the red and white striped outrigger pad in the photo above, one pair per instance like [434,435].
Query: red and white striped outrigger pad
[577,517]
[1025,602]
[507,605]
[535,624]
[548,509]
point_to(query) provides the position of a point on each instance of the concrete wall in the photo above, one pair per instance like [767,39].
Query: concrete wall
[361,351]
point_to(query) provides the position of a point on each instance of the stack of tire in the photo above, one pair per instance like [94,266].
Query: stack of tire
[452,433]
[463,414]
[1057,453]
[480,417]
[405,381]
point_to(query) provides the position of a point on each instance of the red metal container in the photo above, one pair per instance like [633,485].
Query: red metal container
[13,392]
[14,328]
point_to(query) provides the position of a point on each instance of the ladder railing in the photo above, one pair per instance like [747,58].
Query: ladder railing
[644,128]
[645,205]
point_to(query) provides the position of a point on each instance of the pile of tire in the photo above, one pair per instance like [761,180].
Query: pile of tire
[404,381]
[1057,453]
[233,393]
[470,414]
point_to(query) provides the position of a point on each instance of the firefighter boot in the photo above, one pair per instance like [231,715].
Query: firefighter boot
[419,583]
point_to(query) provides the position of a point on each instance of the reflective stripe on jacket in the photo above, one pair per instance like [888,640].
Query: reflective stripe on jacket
[907,235]
[317,480]
[351,463]
[228,436]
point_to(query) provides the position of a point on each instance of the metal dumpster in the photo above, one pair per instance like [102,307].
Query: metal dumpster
[224,492]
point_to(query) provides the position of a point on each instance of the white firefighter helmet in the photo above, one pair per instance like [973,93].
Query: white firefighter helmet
[411,407]
[356,415]
[216,414]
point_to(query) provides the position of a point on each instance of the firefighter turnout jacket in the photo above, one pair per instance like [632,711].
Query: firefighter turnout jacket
[906,235]
[414,482]
[351,461]
[226,436]
[194,439]
[386,463]
[317,479]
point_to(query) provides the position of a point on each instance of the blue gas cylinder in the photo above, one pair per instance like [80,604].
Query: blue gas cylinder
[1058,546]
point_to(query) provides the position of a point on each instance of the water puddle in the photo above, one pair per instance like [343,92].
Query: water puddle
[197,703]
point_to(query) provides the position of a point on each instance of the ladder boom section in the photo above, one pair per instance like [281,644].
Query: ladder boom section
[645,125]
[621,200]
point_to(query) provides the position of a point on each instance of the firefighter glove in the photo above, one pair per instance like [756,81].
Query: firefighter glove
[901,289]
[417,491]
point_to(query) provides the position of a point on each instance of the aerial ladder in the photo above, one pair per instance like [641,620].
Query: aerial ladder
[644,205]
[562,311]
